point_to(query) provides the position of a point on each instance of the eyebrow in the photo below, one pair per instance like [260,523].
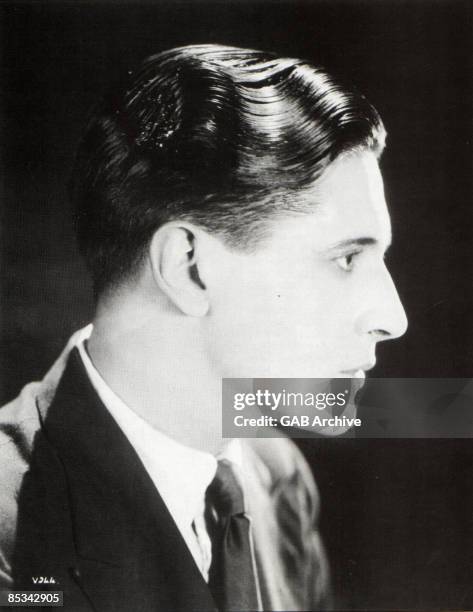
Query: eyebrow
[353,242]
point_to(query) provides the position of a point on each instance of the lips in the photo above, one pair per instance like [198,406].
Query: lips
[359,371]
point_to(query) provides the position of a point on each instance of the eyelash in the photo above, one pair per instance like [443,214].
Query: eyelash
[349,265]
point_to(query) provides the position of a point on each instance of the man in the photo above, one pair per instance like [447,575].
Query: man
[231,212]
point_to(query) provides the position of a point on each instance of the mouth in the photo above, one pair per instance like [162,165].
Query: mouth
[355,373]
[359,371]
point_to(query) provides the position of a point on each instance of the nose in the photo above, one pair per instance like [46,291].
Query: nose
[383,314]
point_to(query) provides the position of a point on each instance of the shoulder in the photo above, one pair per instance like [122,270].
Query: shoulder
[284,503]
[281,457]
[284,471]
[19,422]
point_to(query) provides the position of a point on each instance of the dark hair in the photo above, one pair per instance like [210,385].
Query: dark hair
[216,135]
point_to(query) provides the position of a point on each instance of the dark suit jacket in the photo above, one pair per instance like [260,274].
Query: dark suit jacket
[77,505]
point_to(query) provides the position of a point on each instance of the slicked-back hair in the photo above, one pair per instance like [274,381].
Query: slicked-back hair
[215,135]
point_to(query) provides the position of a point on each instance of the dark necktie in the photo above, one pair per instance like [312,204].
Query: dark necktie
[231,577]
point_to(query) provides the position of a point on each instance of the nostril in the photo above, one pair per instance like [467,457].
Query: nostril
[380,332]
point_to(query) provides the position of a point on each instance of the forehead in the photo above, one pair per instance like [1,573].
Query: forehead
[348,204]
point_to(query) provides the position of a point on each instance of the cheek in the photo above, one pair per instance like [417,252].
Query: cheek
[260,330]
[313,327]
[275,324]
[302,321]
[240,328]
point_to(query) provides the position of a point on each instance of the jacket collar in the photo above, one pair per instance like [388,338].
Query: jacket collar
[118,515]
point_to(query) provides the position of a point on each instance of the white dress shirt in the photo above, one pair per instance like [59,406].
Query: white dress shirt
[181,474]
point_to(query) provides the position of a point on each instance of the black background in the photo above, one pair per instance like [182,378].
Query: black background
[396,514]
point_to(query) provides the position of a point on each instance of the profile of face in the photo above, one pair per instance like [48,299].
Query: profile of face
[316,297]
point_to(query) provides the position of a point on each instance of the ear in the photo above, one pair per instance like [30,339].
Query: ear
[174,256]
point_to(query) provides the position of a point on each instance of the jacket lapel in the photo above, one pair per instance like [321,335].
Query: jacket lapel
[130,553]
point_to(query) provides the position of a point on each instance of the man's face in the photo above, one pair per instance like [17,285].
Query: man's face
[316,297]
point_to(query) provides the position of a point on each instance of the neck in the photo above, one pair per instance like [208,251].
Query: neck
[153,358]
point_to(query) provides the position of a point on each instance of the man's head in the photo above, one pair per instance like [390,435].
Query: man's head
[248,186]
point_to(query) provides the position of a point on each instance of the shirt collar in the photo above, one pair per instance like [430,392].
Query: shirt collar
[181,474]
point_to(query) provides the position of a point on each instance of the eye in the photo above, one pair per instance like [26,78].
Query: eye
[347,262]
